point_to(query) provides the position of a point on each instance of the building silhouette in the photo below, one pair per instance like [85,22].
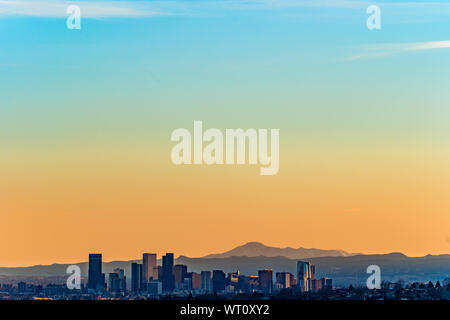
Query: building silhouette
[265,280]
[284,280]
[196,280]
[136,277]
[303,275]
[179,273]
[218,281]
[148,264]
[168,280]
[113,282]
[117,281]
[206,281]
[157,273]
[96,279]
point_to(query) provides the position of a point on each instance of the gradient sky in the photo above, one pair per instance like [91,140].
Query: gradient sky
[86,117]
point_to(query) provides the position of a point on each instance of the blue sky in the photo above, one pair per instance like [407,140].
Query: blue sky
[314,60]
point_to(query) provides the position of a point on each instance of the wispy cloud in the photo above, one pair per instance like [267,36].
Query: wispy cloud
[89,9]
[379,50]
[147,8]
[275,4]
[142,8]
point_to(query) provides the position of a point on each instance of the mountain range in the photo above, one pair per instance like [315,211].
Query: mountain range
[255,249]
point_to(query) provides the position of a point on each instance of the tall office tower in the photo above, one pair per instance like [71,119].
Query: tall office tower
[136,277]
[265,280]
[312,270]
[303,275]
[113,282]
[179,273]
[206,281]
[96,279]
[292,280]
[218,281]
[122,279]
[157,273]
[284,280]
[168,281]
[148,263]
[196,281]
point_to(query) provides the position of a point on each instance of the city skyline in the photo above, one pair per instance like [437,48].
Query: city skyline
[176,281]
[172,277]
[154,277]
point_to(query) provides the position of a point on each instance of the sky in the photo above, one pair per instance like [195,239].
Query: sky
[86,118]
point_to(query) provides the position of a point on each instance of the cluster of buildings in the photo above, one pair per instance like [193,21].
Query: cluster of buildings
[148,278]
[388,291]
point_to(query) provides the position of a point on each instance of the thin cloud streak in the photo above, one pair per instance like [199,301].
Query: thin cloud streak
[380,50]
[89,9]
[143,8]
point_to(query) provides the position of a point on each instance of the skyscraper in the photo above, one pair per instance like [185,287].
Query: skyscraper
[136,277]
[148,263]
[168,281]
[218,281]
[196,280]
[303,275]
[122,279]
[179,273]
[312,273]
[157,273]
[265,280]
[284,280]
[206,281]
[96,279]
[114,282]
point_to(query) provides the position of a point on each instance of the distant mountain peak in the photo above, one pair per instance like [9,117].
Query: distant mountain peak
[256,249]
[254,243]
